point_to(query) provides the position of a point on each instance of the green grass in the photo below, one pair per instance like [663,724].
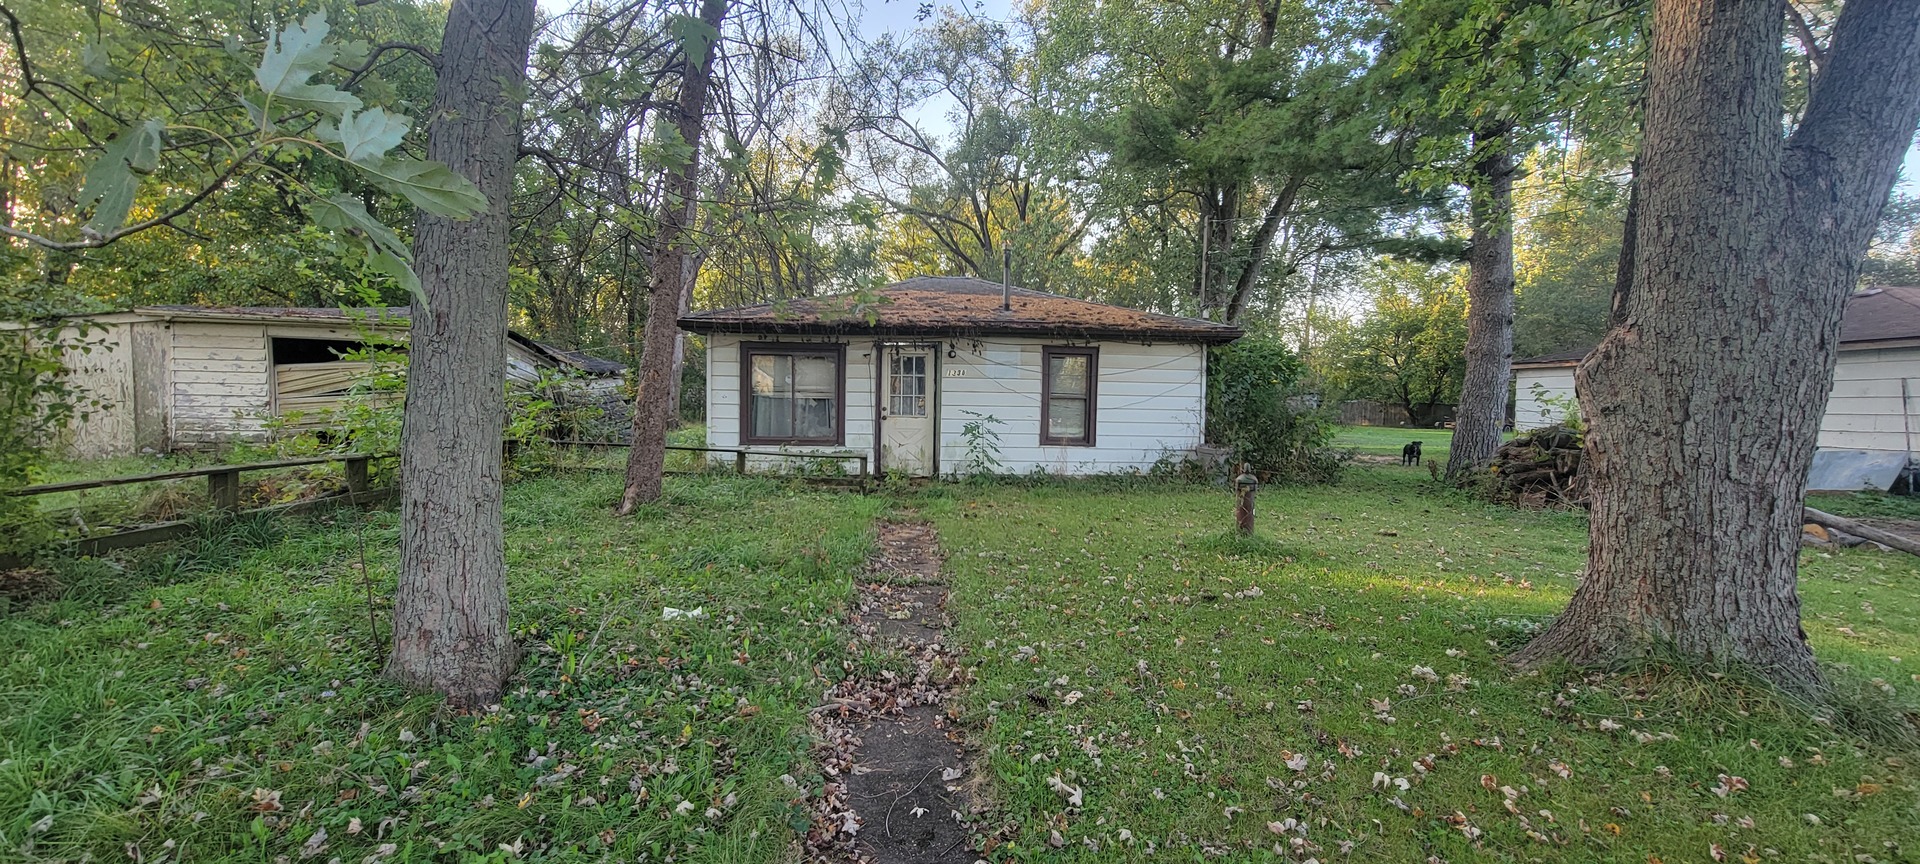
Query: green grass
[1389,439]
[178,695]
[220,701]
[1195,691]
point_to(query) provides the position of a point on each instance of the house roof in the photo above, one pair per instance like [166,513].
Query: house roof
[579,360]
[1890,313]
[954,305]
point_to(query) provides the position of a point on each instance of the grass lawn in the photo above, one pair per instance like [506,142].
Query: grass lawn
[1202,691]
[1389,439]
[219,700]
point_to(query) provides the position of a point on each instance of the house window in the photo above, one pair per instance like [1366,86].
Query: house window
[793,394]
[1067,395]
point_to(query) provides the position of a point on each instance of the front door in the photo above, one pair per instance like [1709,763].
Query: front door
[906,412]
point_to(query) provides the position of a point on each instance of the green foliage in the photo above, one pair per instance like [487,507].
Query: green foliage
[112,180]
[1566,250]
[210,129]
[1474,74]
[1251,385]
[980,439]
[37,401]
[1407,348]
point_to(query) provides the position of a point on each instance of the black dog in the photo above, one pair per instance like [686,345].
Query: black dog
[1410,454]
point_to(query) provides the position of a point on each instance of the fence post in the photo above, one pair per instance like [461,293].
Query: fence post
[224,488]
[356,475]
[740,462]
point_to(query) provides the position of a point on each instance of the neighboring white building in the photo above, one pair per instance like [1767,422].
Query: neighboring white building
[1875,404]
[164,378]
[1075,387]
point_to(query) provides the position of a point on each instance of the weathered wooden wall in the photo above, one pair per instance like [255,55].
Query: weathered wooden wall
[100,364]
[222,389]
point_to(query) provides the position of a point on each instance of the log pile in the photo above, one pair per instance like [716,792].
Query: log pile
[1540,469]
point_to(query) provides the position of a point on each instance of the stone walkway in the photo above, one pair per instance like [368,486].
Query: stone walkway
[896,766]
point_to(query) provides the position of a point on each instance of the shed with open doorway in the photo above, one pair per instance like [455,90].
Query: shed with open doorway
[165,378]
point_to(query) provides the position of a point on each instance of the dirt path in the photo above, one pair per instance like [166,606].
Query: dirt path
[895,766]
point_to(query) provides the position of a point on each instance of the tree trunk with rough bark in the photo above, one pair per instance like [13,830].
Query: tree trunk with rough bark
[1482,413]
[652,408]
[450,609]
[1704,401]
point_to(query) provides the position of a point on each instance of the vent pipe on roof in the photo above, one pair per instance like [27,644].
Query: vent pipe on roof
[1006,278]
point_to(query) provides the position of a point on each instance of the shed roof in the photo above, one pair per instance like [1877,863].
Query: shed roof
[1890,313]
[376,316]
[395,315]
[955,305]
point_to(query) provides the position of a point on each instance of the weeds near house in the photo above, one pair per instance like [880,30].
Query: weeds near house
[980,437]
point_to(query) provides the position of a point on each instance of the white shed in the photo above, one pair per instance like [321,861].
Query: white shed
[1065,386]
[166,378]
[1875,403]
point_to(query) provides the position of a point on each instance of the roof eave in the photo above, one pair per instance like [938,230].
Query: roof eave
[1219,336]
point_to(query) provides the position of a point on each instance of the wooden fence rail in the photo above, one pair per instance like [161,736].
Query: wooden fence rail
[223,487]
[740,454]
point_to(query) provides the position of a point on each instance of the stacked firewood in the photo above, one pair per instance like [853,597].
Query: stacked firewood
[1540,469]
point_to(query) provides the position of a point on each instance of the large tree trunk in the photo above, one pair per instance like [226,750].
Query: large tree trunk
[1703,404]
[1483,391]
[450,611]
[652,408]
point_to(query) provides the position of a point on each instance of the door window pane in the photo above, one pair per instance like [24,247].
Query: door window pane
[907,386]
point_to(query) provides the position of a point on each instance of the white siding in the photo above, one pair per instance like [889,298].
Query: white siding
[723,401]
[1866,410]
[1529,386]
[220,383]
[1150,402]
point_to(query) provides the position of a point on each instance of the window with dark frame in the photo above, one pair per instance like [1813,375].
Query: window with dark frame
[792,394]
[1068,385]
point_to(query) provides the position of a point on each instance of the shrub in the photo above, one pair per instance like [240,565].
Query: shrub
[1249,385]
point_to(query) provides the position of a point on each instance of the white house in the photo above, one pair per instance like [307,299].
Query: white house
[1873,412]
[161,378]
[1071,386]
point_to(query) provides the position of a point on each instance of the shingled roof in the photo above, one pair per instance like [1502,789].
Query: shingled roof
[1890,313]
[952,305]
